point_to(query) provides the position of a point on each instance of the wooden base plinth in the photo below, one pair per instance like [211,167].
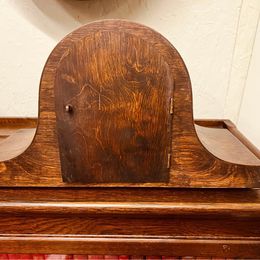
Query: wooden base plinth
[205,223]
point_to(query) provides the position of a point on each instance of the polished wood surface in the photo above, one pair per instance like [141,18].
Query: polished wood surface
[16,135]
[233,129]
[215,135]
[117,126]
[191,164]
[197,222]
[49,206]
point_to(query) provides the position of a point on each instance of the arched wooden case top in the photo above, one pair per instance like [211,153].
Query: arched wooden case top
[113,91]
[115,110]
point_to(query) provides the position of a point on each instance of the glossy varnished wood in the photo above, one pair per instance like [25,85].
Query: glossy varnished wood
[138,246]
[192,165]
[209,223]
[42,214]
[117,126]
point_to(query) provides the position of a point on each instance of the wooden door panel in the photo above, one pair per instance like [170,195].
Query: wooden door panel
[112,94]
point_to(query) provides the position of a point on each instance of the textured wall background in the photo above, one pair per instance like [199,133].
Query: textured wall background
[249,113]
[215,38]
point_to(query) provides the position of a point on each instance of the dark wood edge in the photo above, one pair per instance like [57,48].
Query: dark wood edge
[130,246]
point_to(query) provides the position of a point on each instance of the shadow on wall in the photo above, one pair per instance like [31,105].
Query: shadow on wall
[59,17]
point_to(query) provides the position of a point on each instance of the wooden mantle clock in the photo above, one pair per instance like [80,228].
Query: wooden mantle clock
[116,163]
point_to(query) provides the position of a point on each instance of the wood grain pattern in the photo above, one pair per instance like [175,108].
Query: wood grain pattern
[16,143]
[118,129]
[132,209]
[115,246]
[134,194]
[201,222]
[42,214]
[17,122]
[192,165]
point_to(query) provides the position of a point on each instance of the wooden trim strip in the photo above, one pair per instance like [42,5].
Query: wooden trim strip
[17,122]
[140,208]
[215,123]
[130,246]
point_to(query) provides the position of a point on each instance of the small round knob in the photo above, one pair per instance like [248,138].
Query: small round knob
[68,108]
